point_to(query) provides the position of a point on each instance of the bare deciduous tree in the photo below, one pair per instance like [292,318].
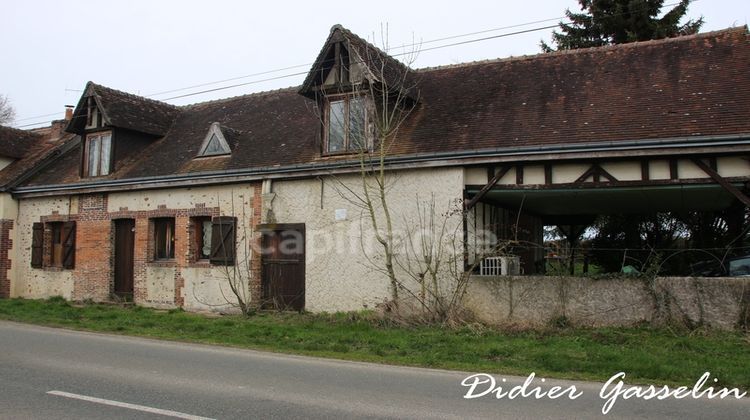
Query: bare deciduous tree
[421,249]
[7,113]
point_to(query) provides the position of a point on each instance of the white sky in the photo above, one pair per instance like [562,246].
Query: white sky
[52,48]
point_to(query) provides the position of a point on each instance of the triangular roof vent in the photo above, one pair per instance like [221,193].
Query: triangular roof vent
[215,144]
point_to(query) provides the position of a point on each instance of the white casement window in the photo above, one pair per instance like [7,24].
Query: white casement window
[348,125]
[98,154]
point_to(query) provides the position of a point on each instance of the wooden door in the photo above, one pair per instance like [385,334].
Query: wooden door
[124,250]
[283,275]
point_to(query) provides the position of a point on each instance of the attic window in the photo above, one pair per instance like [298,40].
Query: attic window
[97,157]
[346,125]
[214,144]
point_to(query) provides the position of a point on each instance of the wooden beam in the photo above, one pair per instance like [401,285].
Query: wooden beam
[596,172]
[519,174]
[610,185]
[473,202]
[645,170]
[603,172]
[673,174]
[723,182]
[589,172]
[547,173]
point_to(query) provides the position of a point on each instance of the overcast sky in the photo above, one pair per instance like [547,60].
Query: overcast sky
[52,48]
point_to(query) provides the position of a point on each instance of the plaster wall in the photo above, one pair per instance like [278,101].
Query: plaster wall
[197,286]
[623,171]
[37,283]
[475,176]
[5,161]
[8,207]
[658,169]
[202,287]
[536,301]
[733,166]
[533,174]
[568,172]
[342,257]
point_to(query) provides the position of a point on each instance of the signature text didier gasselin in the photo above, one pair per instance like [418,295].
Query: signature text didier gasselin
[484,385]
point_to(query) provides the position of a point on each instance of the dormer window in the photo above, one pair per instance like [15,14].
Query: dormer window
[347,124]
[215,144]
[97,156]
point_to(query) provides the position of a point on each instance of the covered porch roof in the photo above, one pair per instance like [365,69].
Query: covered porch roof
[549,203]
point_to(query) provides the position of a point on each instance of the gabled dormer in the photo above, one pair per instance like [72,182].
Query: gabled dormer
[215,143]
[114,125]
[350,80]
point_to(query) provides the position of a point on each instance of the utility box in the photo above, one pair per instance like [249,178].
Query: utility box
[500,266]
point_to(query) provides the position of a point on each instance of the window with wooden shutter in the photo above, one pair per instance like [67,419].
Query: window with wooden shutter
[55,244]
[223,240]
[164,238]
[37,245]
[69,245]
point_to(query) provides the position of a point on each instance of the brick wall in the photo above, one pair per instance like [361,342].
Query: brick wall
[255,259]
[93,269]
[163,283]
[6,244]
[184,253]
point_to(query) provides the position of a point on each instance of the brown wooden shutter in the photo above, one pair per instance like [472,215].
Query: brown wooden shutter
[69,244]
[37,245]
[223,240]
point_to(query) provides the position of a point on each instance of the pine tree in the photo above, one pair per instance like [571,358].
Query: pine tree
[605,22]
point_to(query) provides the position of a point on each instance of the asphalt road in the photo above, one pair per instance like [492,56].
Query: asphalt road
[52,373]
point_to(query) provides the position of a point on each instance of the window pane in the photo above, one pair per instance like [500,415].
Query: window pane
[57,248]
[170,239]
[105,154]
[357,139]
[206,241]
[94,146]
[163,239]
[336,126]
[214,146]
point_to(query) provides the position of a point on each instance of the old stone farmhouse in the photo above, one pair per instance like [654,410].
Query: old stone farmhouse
[132,198]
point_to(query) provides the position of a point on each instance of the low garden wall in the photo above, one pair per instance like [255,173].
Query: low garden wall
[536,301]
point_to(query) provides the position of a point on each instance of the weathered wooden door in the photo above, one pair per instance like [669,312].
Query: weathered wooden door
[283,274]
[124,249]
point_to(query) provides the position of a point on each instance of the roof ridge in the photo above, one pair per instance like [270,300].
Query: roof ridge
[132,95]
[370,44]
[577,51]
[231,98]
[29,131]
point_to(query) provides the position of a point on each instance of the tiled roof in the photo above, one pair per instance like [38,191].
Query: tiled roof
[680,87]
[16,143]
[38,146]
[384,68]
[125,110]
[683,87]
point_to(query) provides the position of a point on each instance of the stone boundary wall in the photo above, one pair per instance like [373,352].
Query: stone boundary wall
[539,301]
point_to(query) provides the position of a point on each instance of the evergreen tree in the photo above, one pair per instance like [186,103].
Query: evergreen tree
[605,22]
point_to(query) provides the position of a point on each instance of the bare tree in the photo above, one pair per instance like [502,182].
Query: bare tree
[421,249]
[387,91]
[7,113]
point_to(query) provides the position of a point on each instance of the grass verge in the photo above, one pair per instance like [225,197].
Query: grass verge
[647,355]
